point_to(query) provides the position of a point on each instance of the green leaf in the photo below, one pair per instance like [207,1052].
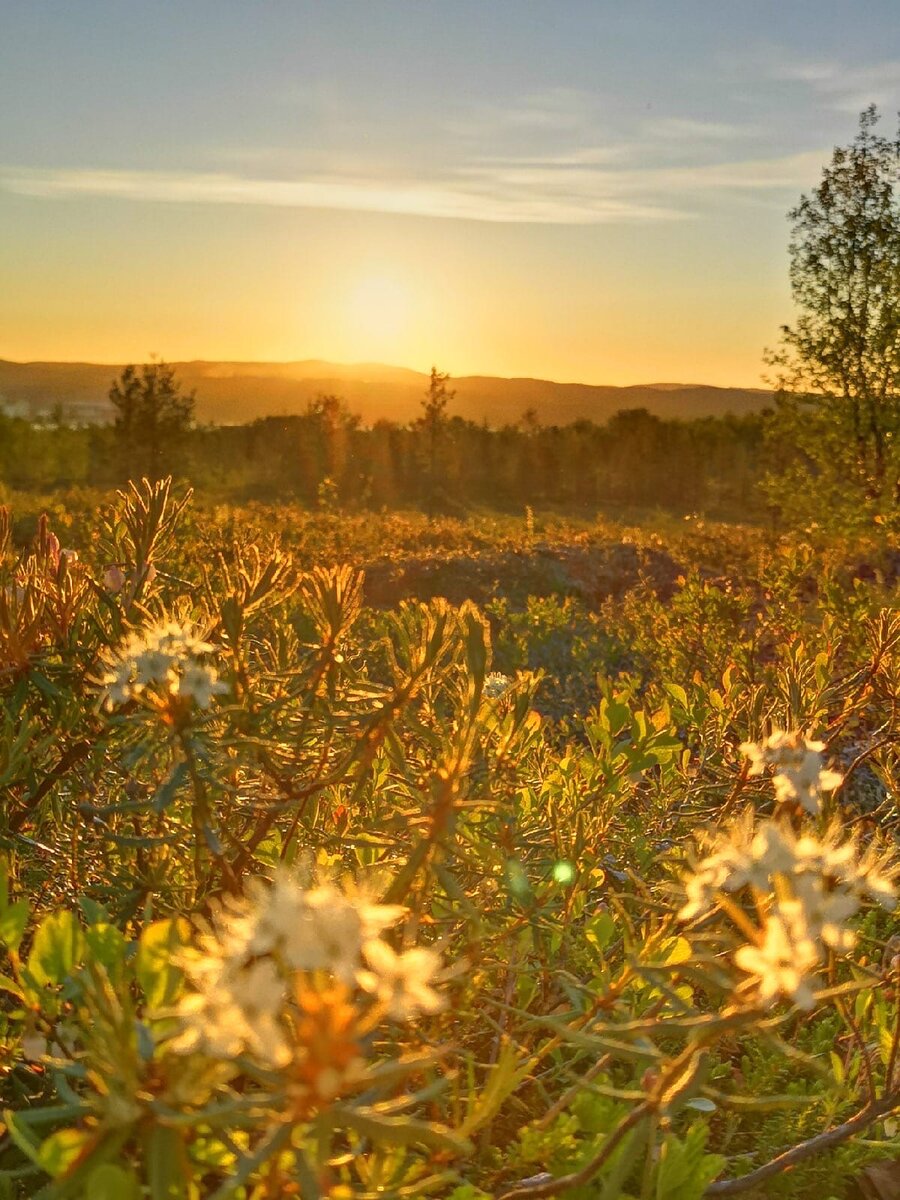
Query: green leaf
[10,985]
[687,1083]
[58,946]
[106,945]
[20,1133]
[702,1104]
[157,974]
[94,913]
[402,1131]
[505,1076]
[166,1164]
[685,1169]
[13,919]
[477,635]
[61,1150]
[600,930]
[111,1182]
[614,716]
[623,1161]
[169,788]
[678,950]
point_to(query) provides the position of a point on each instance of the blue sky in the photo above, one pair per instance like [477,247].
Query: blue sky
[588,190]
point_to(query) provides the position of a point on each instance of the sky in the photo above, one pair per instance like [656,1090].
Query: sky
[582,190]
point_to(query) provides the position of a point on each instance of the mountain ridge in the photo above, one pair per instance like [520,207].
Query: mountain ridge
[230,392]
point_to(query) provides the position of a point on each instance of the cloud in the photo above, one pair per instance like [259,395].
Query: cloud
[551,111]
[565,191]
[585,156]
[486,195]
[689,130]
[845,88]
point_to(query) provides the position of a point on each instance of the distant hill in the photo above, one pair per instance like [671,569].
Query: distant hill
[233,392]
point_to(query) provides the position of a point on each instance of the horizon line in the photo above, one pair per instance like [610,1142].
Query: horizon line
[358,365]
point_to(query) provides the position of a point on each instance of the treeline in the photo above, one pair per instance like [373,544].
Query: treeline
[326,457]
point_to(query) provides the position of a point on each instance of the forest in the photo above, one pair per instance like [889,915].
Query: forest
[441,463]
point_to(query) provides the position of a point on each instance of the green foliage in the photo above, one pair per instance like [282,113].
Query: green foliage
[833,437]
[199,704]
[442,464]
[152,418]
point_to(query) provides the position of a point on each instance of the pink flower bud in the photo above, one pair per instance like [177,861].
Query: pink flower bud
[114,579]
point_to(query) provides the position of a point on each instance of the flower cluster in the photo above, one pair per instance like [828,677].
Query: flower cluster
[759,855]
[804,888]
[166,660]
[800,775]
[295,978]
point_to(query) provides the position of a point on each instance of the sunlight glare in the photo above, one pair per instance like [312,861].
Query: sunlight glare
[378,306]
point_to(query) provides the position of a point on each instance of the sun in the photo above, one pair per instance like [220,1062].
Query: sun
[379,308]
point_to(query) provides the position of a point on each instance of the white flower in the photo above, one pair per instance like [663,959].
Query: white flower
[402,982]
[236,1009]
[825,912]
[875,877]
[335,930]
[809,888]
[745,854]
[785,962]
[117,682]
[249,960]
[496,685]
[799,772]
[166,658]
[200,683]
[236,1006]
[316,929]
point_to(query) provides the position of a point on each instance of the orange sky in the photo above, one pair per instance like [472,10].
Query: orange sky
[600,198]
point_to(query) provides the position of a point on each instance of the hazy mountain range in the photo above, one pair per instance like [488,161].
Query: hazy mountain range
[232,392]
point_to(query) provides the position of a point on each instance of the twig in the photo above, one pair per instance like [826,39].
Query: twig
[891,1068]
[552,1187]
[821,1141]
[568,1096]
[69,759]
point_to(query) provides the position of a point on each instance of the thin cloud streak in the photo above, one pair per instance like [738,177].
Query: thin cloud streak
[485,198]
[562,193]
[846,88]
[686,129]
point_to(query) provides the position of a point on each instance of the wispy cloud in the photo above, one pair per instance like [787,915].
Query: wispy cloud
[845,88]
[686,129]
[479,195]
[541,191]
[550,111]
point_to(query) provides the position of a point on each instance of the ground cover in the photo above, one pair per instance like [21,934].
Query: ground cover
[371,854]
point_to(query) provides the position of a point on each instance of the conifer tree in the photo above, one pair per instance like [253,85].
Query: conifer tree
[153,416]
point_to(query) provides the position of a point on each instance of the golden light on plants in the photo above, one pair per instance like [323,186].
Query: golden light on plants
[413,782]
[462,863]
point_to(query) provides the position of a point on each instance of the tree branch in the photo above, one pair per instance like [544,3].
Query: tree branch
[822,1141]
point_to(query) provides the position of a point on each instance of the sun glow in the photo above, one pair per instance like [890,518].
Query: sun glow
[379,308]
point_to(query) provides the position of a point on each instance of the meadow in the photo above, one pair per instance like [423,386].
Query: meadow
[357,854]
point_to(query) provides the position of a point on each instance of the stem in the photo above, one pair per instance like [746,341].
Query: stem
[821,1141]
[552,1187]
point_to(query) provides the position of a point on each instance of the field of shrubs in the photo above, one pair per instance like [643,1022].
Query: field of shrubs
[373,855]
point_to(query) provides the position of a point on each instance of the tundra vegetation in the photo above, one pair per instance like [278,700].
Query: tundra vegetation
[352,853]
